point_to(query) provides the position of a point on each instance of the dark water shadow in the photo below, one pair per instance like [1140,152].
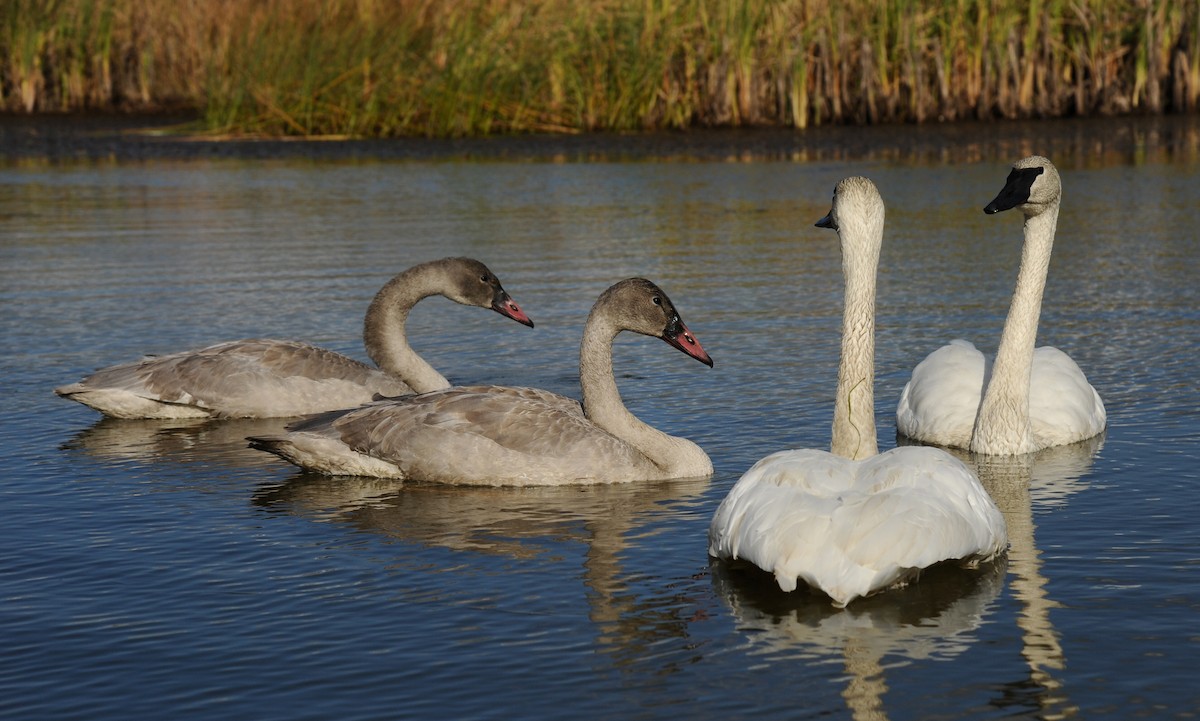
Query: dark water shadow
[1074,142]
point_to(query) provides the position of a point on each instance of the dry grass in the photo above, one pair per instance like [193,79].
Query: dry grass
[465,67]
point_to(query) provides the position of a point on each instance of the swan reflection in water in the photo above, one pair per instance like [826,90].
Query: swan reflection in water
[936,617]
[181,440]
[535,527]
[1020,485]
[521,524]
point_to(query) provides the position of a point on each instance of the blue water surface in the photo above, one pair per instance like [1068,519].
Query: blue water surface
[155,569]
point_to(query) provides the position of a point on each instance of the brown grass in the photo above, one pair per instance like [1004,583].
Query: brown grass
[465,67]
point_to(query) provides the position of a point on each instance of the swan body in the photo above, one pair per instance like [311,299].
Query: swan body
[1028,398]
[264,378]
[500,435]
[939,404]
[851,521]
[851,528]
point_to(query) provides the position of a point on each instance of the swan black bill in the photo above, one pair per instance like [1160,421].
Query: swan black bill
[827,222]
[1015,191]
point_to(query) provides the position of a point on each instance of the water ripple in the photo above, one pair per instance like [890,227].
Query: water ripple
[164,568]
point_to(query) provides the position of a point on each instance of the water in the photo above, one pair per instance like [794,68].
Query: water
[164,570]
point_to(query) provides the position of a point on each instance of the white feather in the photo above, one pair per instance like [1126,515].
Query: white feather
[1034,398]
[851,528]
[857,522]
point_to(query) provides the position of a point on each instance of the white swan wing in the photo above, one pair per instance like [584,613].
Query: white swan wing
[851,528]
[1063,407]
[254,378]
[940,401]
[473,435]
[779,513]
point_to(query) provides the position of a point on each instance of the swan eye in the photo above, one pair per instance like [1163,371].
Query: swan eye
[484,278]
[657,300]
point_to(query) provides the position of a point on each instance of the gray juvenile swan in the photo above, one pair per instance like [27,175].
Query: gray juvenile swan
[500,435]
[259,378]
[1034,398]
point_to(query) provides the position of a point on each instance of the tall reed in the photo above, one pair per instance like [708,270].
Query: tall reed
[465,67]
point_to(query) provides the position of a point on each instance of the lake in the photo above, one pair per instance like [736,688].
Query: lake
[165,570]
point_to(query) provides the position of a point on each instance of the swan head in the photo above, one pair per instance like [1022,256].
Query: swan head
[856,214]
[472,283]
[1033,186]
[638,305]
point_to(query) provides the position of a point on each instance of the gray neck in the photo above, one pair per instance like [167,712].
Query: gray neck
[1002,425]
[384,333]
[676,457]
[854,412]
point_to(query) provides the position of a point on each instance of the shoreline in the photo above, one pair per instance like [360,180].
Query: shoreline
[144,137]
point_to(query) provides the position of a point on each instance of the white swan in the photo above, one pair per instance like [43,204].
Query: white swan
[259,378]
[499,435]
[854,522]
[1035,398]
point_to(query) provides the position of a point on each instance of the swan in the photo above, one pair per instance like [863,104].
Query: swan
[851,521]
[1036,397]
[259,378]
[514,436]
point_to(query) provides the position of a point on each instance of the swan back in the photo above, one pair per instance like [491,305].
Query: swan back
[1064,408]
[252,378]
[851,528]
[940,401]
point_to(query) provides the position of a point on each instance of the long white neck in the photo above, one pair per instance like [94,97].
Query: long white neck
[677,457]
[1002,426]
[854,412]
[384,334]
